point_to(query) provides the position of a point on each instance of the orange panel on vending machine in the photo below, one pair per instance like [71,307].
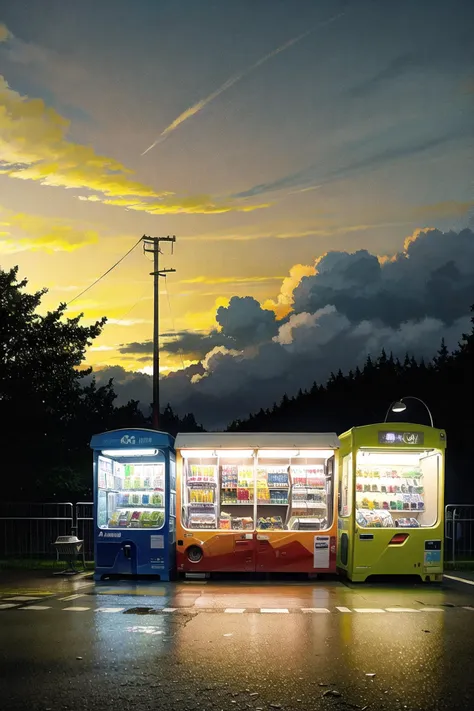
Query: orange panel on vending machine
[256,502]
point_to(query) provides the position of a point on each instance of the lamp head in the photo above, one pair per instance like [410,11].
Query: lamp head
[399,406]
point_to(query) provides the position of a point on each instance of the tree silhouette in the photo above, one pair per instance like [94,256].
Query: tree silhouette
[49,406]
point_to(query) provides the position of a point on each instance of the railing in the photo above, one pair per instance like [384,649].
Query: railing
[28,530]
[84,521]
[459,535]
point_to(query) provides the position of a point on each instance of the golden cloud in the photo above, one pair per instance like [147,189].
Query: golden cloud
[230,280]
[446,208]
[4,32]
[283,304]
[36,233]
[34,145]
[414,236]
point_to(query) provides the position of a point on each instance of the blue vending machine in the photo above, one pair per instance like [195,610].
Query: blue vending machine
[134,503]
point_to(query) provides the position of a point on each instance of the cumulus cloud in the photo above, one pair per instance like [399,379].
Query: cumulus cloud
[432,276]
[20,232]
[348,306]
[240,324]
[284,301]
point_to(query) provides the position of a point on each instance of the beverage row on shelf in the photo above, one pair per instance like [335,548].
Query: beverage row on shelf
[155,498]
[136,519]
[383,519]
[405,502]
[227,521]
[246,496]
[389,473]
[412,486]
[233,476]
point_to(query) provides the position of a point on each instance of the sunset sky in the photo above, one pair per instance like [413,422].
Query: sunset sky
[263,134]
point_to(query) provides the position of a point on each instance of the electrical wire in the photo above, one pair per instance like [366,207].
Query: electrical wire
[172,320]
[104,274]
[124,316]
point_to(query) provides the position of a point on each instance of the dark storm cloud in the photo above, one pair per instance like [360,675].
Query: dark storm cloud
[136,347]
[194,344]
[352,306]
[433,276]
[246,322]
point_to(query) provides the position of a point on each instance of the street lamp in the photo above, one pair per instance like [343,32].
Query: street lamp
[399,406]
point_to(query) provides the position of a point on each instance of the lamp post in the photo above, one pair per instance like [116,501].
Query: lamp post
[399,406]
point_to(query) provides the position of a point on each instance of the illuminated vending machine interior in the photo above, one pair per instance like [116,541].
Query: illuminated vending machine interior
[391,503]
[253,502]
[134,503]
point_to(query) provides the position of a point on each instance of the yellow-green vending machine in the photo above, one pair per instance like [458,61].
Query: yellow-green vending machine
[391,501]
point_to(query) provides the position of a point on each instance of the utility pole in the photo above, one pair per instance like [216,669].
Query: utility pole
[152,245]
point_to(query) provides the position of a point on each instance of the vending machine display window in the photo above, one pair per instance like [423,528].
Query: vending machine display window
[200,491]
[293,492]
[130,494]
[247,490]
[397,489]
[345,501]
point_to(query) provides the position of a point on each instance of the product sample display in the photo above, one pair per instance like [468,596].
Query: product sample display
[385,490]
[131,495]
[232,496]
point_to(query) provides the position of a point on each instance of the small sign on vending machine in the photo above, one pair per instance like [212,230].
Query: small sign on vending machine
[321,551]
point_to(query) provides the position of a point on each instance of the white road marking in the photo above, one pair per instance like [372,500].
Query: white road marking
[467,607]
[110,609]
[343,609]
[432,609]
[459,580]
[7,605]
[169,609]
[70,597]
[36,607]
[22,598]
[145,630]
[401,609]
[314,609]
[368,609]
[278,610]
[235,610]
[76,609]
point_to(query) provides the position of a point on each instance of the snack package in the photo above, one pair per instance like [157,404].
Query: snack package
[114,519]
[135,519]
[145,520]
[377,519]
[124,518]
[407,523]
[157,519]
[225,521]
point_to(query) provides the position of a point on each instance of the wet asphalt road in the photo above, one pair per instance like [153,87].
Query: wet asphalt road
[235,646]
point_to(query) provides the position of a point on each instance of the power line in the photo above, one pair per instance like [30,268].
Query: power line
[104,274]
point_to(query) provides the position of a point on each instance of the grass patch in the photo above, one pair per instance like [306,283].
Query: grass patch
[37,564]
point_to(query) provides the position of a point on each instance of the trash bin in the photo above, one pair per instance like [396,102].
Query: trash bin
[70,549]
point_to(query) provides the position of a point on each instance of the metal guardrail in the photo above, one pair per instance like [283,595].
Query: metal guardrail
[84,520]
[28,530]
[459,534]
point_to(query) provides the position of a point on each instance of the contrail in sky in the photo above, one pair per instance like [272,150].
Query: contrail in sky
[196,108]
